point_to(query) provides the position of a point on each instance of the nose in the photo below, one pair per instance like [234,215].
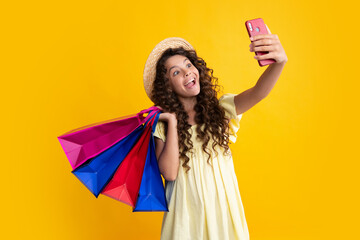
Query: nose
[187,73]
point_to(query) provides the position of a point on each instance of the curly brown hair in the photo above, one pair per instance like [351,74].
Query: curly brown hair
[208,111]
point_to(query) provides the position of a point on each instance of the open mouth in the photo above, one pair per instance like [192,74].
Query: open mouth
[191,83]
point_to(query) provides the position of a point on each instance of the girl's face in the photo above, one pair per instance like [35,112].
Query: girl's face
[183,76]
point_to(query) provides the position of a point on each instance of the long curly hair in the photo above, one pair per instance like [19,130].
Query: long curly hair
[209,113]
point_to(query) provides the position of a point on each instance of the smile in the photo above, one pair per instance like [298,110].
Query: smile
[190,83]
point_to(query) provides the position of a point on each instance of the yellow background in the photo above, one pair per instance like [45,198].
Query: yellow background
[66,64]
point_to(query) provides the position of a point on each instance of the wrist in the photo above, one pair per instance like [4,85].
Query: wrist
[278,64]
[172,122]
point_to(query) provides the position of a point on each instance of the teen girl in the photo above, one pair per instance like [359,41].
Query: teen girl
[193,134]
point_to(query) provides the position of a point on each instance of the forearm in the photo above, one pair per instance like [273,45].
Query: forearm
[169,157]
[268,79]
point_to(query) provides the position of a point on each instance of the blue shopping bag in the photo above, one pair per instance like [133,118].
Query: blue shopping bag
[152,194]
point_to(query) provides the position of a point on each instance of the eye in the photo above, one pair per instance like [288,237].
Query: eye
[188,65]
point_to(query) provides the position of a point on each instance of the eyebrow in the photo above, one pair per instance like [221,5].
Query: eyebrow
[176,65]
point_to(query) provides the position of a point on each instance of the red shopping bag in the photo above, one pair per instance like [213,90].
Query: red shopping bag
[125,184]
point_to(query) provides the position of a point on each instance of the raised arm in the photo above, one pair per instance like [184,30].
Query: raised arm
[267,43]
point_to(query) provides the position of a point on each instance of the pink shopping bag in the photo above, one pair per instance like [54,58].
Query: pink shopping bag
[86,142]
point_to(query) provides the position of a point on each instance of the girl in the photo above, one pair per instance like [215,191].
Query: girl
[193,134]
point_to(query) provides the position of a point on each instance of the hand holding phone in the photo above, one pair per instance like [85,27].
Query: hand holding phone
[256,27]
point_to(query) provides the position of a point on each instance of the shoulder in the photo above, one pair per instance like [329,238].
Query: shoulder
[226,96]
[227,102]
[160,131]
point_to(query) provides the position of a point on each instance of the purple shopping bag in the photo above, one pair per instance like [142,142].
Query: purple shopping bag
[86,142]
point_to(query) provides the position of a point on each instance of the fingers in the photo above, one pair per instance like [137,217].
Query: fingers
[268,44]
[264,45]
[160,108]
[262,49]
[269,55]
[264,42]
[167,116]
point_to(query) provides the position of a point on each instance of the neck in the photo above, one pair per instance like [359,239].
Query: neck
[189,104]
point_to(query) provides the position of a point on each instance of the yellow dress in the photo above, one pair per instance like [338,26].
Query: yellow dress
[205,203]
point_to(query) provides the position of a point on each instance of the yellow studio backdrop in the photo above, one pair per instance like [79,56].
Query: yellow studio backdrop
[71,63]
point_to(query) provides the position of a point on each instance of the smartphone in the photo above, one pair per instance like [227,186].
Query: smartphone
[255,27]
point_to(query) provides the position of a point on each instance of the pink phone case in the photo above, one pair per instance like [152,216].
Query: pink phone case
[255,27]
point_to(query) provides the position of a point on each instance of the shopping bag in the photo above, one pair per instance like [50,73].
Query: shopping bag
[125,184]
[151,194]
[97,171]
[86,142]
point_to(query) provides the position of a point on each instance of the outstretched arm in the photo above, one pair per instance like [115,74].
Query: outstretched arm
[267,43]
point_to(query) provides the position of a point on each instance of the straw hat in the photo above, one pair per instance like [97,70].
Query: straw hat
[150,65]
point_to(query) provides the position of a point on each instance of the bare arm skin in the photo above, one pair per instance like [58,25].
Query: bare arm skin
[271,43]
[249,98]
[167,152]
